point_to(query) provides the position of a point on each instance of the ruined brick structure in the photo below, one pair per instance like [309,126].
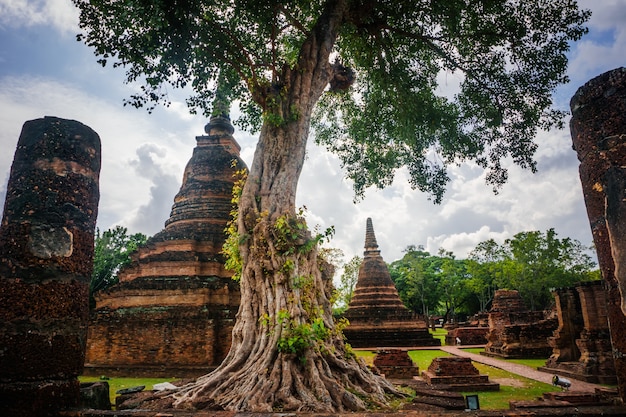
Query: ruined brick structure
[467,336]
[598,129]
[455,373]
[376,314]
[515,332]
[473,332]
[395,363]
[173,310]
[581,346]
[46,261]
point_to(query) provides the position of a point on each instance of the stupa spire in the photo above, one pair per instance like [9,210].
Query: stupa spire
[370,237]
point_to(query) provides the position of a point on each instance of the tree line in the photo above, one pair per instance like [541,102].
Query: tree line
[532,262]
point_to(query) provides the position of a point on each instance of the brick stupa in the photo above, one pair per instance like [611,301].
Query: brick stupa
[376,314]
[173,310]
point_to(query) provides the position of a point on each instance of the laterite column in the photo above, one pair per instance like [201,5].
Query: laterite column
[46,260]
[598,128]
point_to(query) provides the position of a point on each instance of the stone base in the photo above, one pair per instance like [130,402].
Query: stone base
[572,370]
[395,364]
[572,397]
[441,399]
[457,374]
[525,353]
[373,337]
[460,383]
[399,372]
[40,398]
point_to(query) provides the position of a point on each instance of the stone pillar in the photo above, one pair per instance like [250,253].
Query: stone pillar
[46,260]
[571,323]
[598,129]
[595,341]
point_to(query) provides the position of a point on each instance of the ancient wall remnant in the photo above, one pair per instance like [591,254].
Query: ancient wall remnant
[173,310]
[581,346]
[467,336]
[598,129]
[376,314]
[395,364]
[515,332]
[46,261]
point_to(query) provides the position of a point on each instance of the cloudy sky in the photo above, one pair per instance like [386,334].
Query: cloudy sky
[45,71]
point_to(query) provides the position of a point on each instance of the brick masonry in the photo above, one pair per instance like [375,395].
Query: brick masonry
[598,130]
[173,311]
[46,260]
[581,346]
[515,332]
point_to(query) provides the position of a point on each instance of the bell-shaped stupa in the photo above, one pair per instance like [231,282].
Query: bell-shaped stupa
[377,316]
[173,309]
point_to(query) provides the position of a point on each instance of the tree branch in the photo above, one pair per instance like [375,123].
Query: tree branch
[295,22]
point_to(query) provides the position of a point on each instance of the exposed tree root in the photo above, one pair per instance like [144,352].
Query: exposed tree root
[260,376]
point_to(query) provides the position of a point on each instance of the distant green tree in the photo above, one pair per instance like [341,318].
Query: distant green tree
[112,250]
[541,261]
[347,284]
[416,277]
[485,267]
[456,296]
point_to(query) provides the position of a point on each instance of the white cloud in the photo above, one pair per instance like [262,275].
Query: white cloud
[125,182]
[604,47]
[60,14]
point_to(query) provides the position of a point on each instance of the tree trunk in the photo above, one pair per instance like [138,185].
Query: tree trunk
[287,354]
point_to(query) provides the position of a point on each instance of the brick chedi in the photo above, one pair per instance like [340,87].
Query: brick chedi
[173,310]
[515,332]
[376,314]
[46,261]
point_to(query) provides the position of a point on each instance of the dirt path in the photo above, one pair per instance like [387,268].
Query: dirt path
[523,370]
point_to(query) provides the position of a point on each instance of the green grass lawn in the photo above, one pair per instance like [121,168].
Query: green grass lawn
[423,358]
[116,384]
[440,333]
[512,387]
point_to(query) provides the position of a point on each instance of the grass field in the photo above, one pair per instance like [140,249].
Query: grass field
[512,386]
[440,333]
[116,384]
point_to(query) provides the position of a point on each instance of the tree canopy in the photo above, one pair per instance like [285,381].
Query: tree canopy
[373,72]
[532,263]
[112,250]
[507,57]
[347,283]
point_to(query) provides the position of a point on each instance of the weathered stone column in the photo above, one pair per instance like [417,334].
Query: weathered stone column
[46,260]
[598,128]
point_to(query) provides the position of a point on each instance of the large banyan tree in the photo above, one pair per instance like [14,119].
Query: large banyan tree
[367,73]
